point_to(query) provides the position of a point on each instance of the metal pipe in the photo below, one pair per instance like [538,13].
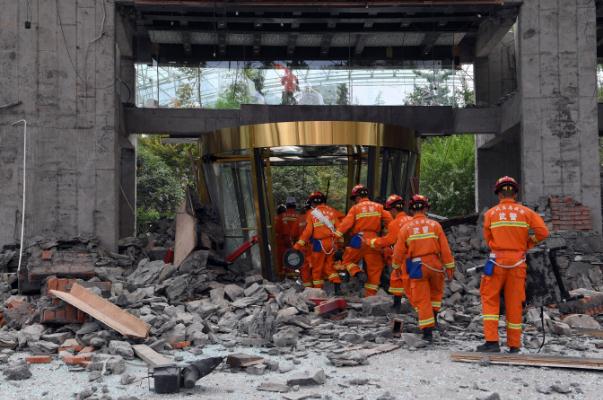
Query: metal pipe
[21,243]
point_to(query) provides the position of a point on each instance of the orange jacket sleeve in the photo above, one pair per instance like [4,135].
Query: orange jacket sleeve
[539,228]
[389,239]
[487,230]
[307,233]
[347,222]
[400,250]
[445,252]
[386,217]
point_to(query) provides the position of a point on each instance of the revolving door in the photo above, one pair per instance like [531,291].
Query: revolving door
[250,169]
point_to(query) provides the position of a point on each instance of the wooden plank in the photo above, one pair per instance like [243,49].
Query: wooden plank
[384,348]
[532,360]
[104,311]
[186,234]
[151,357]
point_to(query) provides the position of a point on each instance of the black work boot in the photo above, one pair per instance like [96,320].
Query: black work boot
[488,347]
[337,289]
[513,350]
[361,277]
[397,306]
[428,335]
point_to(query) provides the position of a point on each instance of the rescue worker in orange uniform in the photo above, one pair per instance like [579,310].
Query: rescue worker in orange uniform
[399,282]
[422,248]
[507,231]
[305,271]
[365,219]
[320,225]
[287,232]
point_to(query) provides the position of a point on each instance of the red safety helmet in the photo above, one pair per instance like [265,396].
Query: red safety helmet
[394,201]
[359,191]
[506,183]
[317,197]
[418,202]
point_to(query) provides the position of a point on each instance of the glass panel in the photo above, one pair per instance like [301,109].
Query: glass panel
[226,85]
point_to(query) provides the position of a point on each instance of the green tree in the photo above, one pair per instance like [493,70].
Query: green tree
[343,95]
[448,174]
[159,191]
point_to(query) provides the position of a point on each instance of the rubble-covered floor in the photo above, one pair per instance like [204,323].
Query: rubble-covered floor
[404,373]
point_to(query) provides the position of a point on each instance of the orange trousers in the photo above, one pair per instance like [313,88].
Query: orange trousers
[323,264]
[427,292]
[281,248]
[305,271]
[373,266]
[512,283]
[399,284]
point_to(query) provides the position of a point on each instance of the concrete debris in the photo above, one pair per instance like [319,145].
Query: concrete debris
[273,387]
[317,377]
[581,321]
[17,371]
[121,348]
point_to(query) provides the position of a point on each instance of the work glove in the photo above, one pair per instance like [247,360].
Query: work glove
[450,274]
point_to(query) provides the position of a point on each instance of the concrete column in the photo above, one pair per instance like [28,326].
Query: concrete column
[495,77]
[559,127]
[62,71]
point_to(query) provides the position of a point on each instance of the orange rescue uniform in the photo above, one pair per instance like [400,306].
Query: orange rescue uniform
[305,271]
[323,245]
[365,217]
[287,231]
[424,238]
[506,230]
[399,283]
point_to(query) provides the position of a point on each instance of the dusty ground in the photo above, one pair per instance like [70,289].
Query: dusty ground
[405,374]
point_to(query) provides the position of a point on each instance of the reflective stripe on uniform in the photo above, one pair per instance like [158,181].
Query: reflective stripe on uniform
[373,243]
[301,242]
[517,224]
[491,317]
[292,219]
[370,286]
[513,326]
[317,224]
[436,304]
[424,322]
[421,236]
[368,214]
[396,290]
[307,284]
[320,282]
[395,266]
[350,266]
[450,265]
[338,233]
[333,275]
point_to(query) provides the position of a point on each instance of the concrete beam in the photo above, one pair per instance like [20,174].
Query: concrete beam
[424,120]
[491,32]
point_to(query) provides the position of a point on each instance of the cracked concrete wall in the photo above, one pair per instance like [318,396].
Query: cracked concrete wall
[62,70]
[557,75]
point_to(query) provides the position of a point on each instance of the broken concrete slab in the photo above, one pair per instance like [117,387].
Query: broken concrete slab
[317,377]
[273,387]
[121,348]
[17,371]
[581,321]
[104,311]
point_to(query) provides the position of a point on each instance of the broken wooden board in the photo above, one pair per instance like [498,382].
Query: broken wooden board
[186,233]
[104,311]
[531,360]
[382,348]
[151,357]
[241,360]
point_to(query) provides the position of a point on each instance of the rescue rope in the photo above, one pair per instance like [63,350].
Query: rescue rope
[323,248]
[433,269]
[517,264]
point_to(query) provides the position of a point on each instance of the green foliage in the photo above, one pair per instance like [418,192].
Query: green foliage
[234,95]
[343,95]
[159,189]
[299,182]
[447,174]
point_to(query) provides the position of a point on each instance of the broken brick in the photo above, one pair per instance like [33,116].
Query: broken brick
[86,350]
[41,359]
[181,345]
[330,306]
[81,359]
[71,344]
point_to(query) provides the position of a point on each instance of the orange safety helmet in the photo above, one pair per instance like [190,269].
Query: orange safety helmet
[506,183]
[394,201]
[359,191]
[418,202]
[317,197]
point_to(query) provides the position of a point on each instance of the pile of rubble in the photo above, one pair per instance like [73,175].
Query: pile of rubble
[203,302]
